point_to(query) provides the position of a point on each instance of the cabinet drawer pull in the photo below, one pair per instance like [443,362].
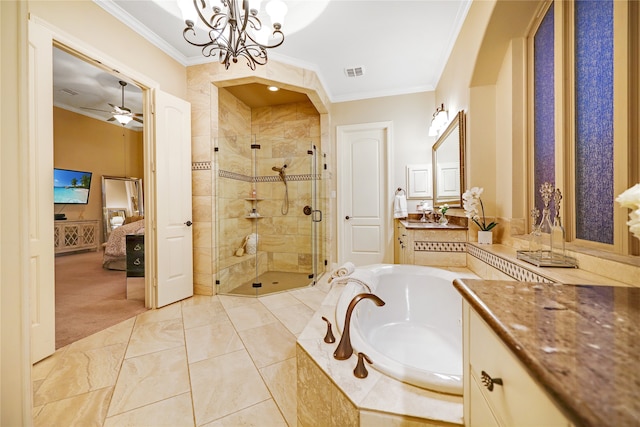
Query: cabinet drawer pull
[488,382]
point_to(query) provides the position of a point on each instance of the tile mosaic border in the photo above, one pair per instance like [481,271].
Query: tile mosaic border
[422,246]
[200,166]
[267,178]
[506,266]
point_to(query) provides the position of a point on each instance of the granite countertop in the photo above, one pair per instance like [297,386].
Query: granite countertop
[412,224]
[580,342]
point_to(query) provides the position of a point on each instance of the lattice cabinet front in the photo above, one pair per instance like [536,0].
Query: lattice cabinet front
[72,236]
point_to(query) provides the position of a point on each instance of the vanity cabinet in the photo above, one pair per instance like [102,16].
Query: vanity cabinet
[518,401]
[401,244]
[74,236]
[430,244]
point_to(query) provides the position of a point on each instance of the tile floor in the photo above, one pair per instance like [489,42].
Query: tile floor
[205,361]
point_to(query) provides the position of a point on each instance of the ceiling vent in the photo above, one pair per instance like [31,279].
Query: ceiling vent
[354,71]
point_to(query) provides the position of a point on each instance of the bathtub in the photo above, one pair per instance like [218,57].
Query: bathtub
[416,337]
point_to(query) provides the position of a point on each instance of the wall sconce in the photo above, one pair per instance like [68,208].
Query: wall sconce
[439,121]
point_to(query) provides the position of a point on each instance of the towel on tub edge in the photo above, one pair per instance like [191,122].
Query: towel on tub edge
[346,269]
[365,278]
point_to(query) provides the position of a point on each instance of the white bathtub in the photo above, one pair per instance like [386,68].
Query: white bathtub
[416,337]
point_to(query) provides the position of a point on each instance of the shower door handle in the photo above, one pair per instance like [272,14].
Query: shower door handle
[317,215]
[188,223]
[347,217]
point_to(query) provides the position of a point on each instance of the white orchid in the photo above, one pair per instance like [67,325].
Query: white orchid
[630,198]
[472,204]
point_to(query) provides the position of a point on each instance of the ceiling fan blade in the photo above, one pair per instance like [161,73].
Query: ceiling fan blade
[138,115]
[95,109]
[112,119]
[138,120]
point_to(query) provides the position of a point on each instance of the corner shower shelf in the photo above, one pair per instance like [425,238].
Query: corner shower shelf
[257,216]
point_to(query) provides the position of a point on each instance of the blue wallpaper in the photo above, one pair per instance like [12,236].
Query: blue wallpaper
[594,120]
[544,139]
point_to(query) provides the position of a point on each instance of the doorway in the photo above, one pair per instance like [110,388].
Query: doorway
[364,225]
[92,287]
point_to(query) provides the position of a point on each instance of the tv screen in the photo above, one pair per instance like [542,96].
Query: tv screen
[71,187]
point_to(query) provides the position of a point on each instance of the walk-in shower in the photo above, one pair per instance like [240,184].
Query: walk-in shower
[267,238]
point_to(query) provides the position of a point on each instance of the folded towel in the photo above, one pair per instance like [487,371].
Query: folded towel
[364,278]
[346,269]
[400,206]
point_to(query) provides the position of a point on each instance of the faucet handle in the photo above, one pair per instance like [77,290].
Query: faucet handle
[328,338]
[361,370]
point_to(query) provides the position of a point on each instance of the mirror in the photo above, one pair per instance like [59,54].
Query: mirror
[448,164]
[121,198]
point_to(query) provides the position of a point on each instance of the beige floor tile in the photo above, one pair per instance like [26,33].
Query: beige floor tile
[172,412]
[294,317]
[172,311]
[116,334]
[229,301]
[276,301]
[41,369]
[224,385]
[150,378]
[211,340]
[250,316]
[310,296]
[88,409]
[263,414]
[79,372]
[157,336]
[281,380]
[202,314]
[269,344]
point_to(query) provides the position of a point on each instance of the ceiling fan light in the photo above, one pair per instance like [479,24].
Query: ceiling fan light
[122,119]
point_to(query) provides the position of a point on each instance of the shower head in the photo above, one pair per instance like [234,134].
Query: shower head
[279,170]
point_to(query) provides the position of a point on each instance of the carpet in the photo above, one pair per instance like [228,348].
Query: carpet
[89,298]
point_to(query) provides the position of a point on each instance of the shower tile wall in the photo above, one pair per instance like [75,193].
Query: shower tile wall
[285,133]
[207,124]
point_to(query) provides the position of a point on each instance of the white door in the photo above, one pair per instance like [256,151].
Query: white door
[173,199]
[40,175]
[364,226]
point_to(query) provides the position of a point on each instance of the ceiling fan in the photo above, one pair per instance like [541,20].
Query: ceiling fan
[121,114]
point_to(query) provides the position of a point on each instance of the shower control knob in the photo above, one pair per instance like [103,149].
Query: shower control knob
[188,223]
[307,210]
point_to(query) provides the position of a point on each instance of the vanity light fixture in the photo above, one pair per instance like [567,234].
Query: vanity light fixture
[439,121]
[233,28]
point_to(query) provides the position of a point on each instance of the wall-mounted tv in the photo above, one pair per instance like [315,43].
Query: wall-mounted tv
[71,186]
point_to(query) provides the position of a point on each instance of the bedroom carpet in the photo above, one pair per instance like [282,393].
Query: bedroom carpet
[89,298]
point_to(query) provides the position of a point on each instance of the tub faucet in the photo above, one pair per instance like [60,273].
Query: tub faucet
[344,350]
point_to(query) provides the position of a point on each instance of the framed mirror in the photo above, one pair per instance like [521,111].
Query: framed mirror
[448,164]
[121,198]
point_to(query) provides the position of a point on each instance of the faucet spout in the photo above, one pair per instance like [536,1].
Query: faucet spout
[344,350]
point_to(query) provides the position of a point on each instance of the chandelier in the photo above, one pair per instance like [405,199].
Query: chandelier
[233,28]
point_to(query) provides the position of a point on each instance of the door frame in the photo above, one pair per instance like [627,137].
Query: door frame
[341,132]
[95,57]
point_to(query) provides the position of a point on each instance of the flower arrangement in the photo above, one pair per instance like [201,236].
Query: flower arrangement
[444,208]
[630,198]
[472,204]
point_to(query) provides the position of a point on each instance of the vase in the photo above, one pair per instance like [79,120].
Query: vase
[485,237]
[443,220]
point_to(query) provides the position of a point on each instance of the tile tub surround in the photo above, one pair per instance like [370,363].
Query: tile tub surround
[331,392]
[580,342]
